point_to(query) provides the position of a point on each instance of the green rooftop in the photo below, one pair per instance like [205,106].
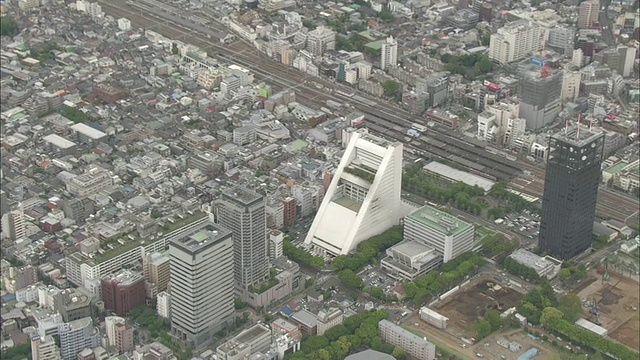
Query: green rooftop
[617,167]
[349,203]
[132,244]
[297,145]
[372,35]
[200,237]
[374,45]
[439,221]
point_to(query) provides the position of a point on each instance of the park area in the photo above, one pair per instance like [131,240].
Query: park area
[617,304]
[472,301]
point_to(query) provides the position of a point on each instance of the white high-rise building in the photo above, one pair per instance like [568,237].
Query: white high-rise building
[124,24]
[570,85]
[110,325]
[363,199]
[627,59]
[577,58]
[388,53]
[163,305]
[201,283]
[588,14]
[447,234]
[515,41]
[320,40]
[77,335]
[44,348]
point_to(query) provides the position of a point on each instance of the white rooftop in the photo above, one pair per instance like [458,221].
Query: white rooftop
[88,131]
[59,141]
[458,175]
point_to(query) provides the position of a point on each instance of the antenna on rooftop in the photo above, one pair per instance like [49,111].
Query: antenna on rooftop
[578,132]
[566,126]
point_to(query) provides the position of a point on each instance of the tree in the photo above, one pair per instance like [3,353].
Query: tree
[399,353]
[8,26]
[391,88]
[494,319]
[482,328]
[571,306]
[351,279]
[550,316]
[386,16]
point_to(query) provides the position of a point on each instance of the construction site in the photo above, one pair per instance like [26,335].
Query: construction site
[472,301]
[612,301]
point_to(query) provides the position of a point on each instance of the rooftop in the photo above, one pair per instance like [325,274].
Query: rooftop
[250,335]
[578,138]
[242,195]
[458,175]
[439,221]
[203,238]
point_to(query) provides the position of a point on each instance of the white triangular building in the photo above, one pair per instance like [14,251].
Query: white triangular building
[363,199]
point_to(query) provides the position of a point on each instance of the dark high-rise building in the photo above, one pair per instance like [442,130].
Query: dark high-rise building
[570,191]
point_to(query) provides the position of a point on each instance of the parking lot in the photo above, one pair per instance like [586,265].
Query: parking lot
[376,277]
[524,223]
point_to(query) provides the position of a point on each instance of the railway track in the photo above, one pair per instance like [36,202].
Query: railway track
[439,143]
[269,70]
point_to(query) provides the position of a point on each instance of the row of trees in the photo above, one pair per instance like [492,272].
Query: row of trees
[368,251]
[556,321]
[301,256]
[357,331]
[469,66]
[509,201]
[518,269]
[571,273]
[462,196]
[497,245]
[452,273]
[73,114]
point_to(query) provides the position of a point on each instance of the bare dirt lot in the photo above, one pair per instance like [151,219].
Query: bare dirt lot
[472,301]
[616,300]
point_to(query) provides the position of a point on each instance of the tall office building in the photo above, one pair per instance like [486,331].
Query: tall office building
[44,348]
[388,53]
[627,58]
[570,191]
[77,335]
[320,40]
[588,13]
[363,199]
[539,91]
[515,41]
[201,283]
[14,224]
[243,212]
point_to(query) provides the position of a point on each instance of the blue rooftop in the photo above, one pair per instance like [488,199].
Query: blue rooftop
[287,311]
[530,354]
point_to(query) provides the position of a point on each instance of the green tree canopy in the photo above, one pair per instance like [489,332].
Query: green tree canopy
[482,328]
[571,306]
[391,89]
[550,316]
[494,319]
[8,26]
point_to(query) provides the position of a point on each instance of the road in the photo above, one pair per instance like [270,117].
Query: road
[606,25]
[390,121]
